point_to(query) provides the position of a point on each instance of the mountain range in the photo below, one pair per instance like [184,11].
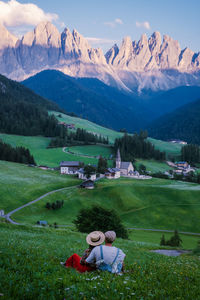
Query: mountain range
[136,66]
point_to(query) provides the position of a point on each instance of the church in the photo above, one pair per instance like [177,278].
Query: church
[126,168]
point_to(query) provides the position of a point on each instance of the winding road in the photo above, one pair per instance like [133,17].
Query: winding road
[8,216]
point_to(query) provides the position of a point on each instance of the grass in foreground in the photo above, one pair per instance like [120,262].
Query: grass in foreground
[30,269]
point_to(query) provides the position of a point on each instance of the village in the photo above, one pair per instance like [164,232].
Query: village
[121,169]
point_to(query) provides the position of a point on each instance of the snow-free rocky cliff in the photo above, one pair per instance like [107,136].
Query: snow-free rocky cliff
[154,63]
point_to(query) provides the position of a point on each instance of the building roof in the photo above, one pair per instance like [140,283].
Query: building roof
[181,162]
[113,170]
[69,164]
[125,164]
[87,183]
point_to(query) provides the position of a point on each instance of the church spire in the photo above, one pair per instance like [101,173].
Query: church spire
[118,159]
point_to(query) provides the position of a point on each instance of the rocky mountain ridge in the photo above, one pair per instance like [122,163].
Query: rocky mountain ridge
[134,66]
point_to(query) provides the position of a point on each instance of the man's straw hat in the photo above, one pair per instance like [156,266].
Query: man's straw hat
[95,238]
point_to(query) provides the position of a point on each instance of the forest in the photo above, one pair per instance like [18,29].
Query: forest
[18,154]
[137,146]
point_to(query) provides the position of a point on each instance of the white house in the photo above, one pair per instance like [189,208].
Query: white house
[112,173]
[81,175]
[69,167]
[126,168]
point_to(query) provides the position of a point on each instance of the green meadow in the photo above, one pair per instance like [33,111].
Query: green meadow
[30,269]
[154,203]
[87,125]
[153,165]
[50,157]
[92,150]
[20,184]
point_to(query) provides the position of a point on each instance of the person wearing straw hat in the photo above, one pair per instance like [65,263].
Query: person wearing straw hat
[93,239]
[107,257]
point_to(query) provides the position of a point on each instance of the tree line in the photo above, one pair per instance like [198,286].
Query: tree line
[18,154]
[137,146]
[190,153]
[67,138]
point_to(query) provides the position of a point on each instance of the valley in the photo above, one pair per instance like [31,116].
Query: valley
[119,130]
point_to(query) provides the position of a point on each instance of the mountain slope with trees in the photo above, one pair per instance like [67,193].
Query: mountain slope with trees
[183,123]
[91,99]
[25,113]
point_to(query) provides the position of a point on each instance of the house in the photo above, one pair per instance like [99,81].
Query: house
[112,173]
[43,223]
[88,184]
[178,142]
[182,165]
[126,168]
[69,167]
[81,175]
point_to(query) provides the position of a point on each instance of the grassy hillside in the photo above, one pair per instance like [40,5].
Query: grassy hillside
[92,150]
[169,148]
[30,269]
[87,125]
[153,165]
[20,184]
[155,203]
[43,156]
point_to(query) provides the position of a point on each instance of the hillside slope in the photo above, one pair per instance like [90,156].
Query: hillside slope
[184,124]
[91,99]
[23,112]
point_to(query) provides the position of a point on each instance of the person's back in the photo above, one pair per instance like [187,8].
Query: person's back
[107,257]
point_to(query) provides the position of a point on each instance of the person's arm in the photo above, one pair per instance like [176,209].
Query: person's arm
[85,255]
[90,261]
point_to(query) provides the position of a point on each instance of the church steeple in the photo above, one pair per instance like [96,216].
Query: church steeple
[118,159]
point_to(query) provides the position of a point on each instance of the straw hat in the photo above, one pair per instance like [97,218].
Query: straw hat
[95,238]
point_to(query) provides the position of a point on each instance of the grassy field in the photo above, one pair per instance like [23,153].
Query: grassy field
[43,156]
[92,150]
[153,165]
[155,203]
[20,184]
[30,269]
[170,148]
[89,126]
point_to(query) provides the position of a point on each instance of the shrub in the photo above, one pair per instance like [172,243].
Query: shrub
[98,218]
[174,241]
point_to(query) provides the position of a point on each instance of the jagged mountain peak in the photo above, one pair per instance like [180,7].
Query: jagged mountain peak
[6,38]
[134,65]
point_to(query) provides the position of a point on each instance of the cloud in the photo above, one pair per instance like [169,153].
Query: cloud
[144,25]
[15,14]
[114,23]
[99,41]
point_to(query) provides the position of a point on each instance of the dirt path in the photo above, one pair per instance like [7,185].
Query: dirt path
[8,216]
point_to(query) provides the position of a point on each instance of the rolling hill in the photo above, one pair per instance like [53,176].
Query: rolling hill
[183,123]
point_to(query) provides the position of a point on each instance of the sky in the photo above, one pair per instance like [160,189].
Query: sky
[105,22]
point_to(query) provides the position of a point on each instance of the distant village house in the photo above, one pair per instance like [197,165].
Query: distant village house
[88,184]
[112,173]
[69,167]
[81,175]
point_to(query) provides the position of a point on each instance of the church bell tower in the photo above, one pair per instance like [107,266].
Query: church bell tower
[118,160]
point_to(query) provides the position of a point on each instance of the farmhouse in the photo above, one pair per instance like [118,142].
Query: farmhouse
[182,165]
[126,168]
[112,173]
[69,167]
[81,175]
[88,184]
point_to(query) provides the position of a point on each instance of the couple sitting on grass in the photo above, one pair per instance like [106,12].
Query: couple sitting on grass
[97,256]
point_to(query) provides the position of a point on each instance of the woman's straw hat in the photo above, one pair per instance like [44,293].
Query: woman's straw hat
[95,238]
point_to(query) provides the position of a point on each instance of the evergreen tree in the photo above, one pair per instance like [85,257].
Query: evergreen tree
[102,165]
[162,241]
